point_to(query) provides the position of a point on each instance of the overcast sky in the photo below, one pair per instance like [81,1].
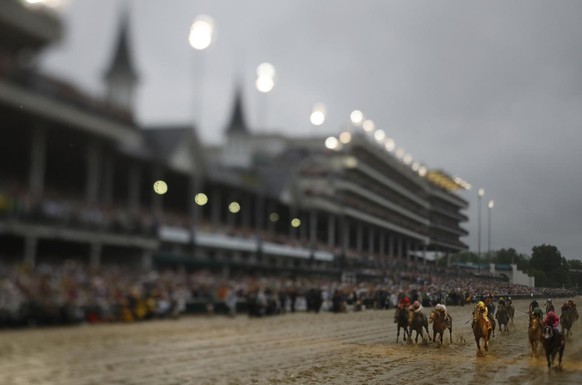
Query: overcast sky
[490,91]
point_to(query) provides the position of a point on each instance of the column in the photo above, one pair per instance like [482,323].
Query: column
[93,170]
[382,250]
[30,248]
[312,228]
[196,186]
[95,255]
[246,211]
[215,201]
[157,199]
[147,259]
[359,237]
[37,160]
[345,234]
[391,246]
[331,230]
[260,212]
[134,186]
[108,173]
[399,240]
[371,233]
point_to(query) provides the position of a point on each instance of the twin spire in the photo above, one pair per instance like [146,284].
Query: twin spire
[121,79]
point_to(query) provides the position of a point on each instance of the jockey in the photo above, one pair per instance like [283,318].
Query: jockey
[501,301]
[509,301]
[481,310]
[537,312]
[534,304]
[552,320]
[416,307]
[441,309]
[404,302]
[490,306]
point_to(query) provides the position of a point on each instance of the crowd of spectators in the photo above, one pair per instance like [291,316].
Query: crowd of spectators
[71,293]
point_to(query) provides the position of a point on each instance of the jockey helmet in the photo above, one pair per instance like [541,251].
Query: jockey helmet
[501,299]
[481,304]
[416,304]
[549,300]
[538,312]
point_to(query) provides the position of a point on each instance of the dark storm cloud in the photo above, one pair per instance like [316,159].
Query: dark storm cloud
[490,90]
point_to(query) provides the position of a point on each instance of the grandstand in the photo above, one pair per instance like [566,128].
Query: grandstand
[76,177]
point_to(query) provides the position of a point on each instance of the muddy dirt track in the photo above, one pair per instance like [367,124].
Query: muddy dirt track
[300,348]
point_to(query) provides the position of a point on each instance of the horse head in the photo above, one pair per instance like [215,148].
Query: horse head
[548,332]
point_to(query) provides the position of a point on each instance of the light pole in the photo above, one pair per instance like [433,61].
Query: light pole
[264,83]
[480,194]
[200,38]
[490,206]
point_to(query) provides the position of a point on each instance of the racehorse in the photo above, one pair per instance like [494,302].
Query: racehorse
[401,320]
[417,322]
[554,343]
[502,317]
[492,321]
[481,329]
[511,313]
[567,318]
[440,323]
[534,334]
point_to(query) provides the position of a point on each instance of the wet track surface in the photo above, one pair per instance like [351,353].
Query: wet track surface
[300,348]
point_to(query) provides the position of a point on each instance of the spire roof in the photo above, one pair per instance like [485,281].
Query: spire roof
[122,62]
[237,123]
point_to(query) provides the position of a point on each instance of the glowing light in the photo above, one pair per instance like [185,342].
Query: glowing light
[265,84]
[351,162]
[379,135]
[407,159]
[422,171]
[481,192]
[332,143]
[201,32]
[56,4]
[356,117]
[399,152]
[266,69]
[317,118]
[274,217]
[368,125]
[201,199]
[389,144]
[345,137]
[234,207]
[265,77]
[491,204]
[160,187]
[317,114]
[295,222]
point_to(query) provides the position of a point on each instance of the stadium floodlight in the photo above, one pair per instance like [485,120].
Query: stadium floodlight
[356,117]
[201,32]
[317,115]
[368,125]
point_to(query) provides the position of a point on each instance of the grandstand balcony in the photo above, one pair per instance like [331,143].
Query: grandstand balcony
[26,26]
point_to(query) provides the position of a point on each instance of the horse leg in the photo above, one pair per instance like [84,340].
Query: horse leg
[451,335]
[398,333]
[477,340]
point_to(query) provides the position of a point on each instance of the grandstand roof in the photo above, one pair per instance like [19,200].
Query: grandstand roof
[445,181]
